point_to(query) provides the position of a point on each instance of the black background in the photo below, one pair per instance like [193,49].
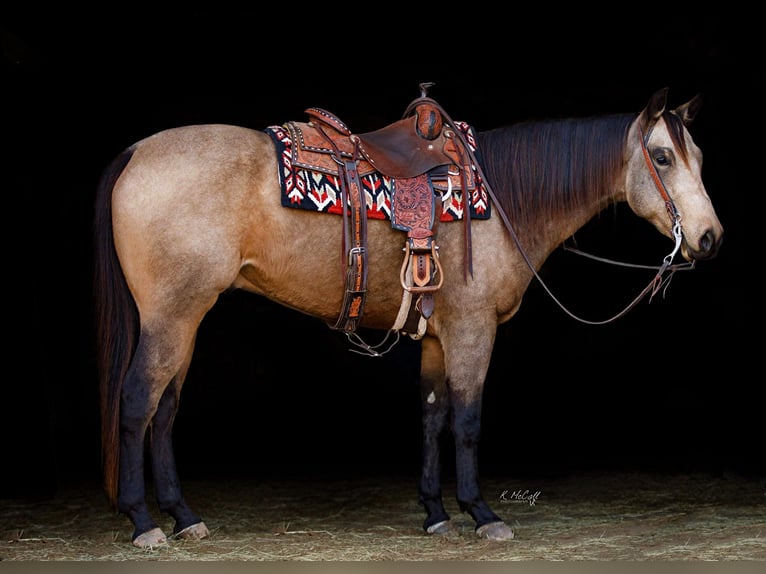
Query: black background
[671,387]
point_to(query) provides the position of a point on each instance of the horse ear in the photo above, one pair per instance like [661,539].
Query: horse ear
[653,110]
[688,111]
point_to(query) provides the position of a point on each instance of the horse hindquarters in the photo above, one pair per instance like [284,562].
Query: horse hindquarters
[173,282]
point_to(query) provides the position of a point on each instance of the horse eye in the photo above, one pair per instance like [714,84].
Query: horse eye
[661,158]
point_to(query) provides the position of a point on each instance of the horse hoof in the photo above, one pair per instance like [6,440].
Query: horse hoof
[150,539]
[443,527]
[194,532]
[495,531]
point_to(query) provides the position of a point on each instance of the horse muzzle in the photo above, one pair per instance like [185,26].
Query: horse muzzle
[707,246]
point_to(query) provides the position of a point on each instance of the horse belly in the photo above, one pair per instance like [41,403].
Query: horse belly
[298,261]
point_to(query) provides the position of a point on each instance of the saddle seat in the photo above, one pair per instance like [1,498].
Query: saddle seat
[412,146]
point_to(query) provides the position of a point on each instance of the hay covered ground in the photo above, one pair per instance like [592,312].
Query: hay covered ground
[584,517]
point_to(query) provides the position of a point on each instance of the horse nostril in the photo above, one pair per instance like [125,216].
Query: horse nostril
[708,245]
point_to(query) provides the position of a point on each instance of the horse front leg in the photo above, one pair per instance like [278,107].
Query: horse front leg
[167,484]
[466,370]
[466,428]
[435,403]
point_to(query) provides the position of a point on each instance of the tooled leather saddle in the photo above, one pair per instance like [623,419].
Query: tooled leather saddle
[426,155]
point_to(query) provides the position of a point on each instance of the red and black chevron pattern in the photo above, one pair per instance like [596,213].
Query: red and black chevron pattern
[316,191]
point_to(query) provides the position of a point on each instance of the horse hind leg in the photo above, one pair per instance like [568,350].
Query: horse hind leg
[137,406]
[149,396]
[167,484]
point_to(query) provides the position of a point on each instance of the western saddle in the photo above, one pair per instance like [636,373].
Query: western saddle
[425,154]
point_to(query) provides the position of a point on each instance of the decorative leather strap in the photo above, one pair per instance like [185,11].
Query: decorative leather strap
[356,264]
[354,244]
[330,119]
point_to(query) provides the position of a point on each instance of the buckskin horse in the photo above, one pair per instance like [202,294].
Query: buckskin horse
[440,232]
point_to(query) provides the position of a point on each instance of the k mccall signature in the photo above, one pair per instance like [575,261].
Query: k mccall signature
[520,496]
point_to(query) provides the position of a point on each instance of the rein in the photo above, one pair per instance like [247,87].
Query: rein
[658,281]
[667,264]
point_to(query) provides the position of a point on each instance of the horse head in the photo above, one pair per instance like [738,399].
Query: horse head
[664,177]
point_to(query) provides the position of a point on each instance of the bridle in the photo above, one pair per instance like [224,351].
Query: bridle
[657,282]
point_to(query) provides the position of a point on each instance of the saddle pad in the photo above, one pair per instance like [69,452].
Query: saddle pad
[303,188]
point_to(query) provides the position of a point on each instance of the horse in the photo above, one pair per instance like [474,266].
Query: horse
[192,212]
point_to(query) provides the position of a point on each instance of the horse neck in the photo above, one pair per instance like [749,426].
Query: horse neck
[554,229]
[552,177]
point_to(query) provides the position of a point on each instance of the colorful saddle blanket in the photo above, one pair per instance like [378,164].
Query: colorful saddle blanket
[319,189]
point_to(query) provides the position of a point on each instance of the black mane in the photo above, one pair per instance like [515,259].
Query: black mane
[541,170]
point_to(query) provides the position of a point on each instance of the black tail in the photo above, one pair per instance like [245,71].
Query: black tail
[116,324]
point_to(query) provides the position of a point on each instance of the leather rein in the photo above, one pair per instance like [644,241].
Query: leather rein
[667,264]
[653,287]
